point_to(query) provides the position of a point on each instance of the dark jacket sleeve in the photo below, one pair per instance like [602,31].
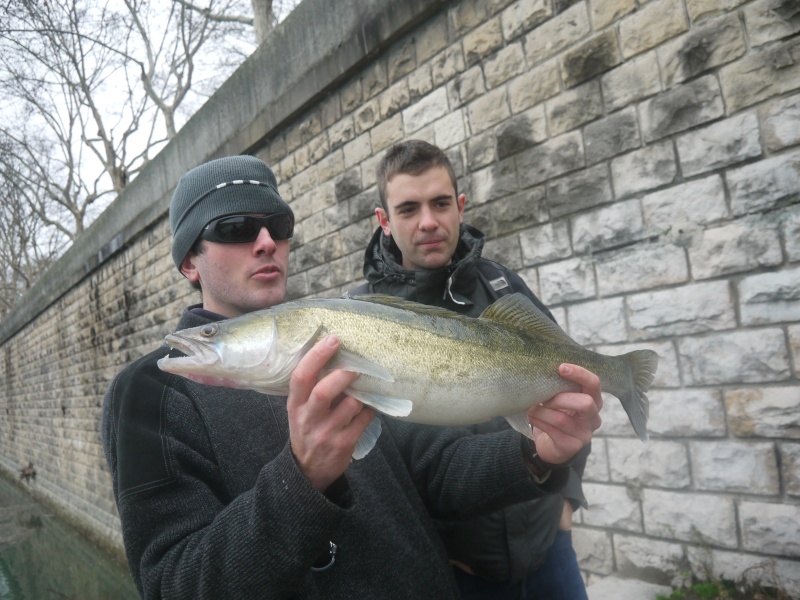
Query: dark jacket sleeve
[185,537]
[460,475]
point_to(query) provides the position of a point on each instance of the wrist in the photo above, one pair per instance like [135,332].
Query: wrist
[534,464]
[539,469]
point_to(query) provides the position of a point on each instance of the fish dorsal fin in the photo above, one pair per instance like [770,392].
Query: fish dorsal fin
[519,312]
[396,302]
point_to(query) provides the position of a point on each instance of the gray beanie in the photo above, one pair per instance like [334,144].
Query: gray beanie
[232,185]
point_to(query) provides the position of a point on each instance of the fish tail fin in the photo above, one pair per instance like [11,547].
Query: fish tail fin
[643,365]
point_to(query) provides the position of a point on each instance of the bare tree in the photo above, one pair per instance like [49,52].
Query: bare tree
[266,15]
[111,78]
[48,106]
[90,91]
[263,18]
[27,245]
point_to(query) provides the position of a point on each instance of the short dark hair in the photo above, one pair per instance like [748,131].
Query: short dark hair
[411,157]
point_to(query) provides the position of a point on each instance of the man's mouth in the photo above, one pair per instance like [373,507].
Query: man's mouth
[268,269]
[268,272]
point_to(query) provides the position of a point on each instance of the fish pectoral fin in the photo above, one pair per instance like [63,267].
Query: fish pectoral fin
[519,422]
[352,362]
[394,407]
[368,439]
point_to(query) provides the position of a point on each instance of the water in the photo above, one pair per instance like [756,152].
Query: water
[43,558]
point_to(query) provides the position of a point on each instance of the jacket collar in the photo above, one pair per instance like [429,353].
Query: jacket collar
[452,283]
[195,315]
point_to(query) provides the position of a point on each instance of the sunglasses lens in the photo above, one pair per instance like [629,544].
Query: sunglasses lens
[280,226]
[237,229]
[245,228]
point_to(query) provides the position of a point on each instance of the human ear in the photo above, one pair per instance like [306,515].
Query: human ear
[189,269]
[383,220]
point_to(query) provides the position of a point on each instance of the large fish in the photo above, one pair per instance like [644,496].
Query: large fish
[420,363]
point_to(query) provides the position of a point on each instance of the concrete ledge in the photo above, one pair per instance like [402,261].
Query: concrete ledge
[315,49]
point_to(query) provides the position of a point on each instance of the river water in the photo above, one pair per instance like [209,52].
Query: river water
[43,558]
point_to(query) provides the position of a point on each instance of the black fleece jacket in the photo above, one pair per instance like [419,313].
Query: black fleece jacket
[510,543]
[213,505]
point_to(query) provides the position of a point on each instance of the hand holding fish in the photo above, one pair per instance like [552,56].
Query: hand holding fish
[565,423]
[324,425]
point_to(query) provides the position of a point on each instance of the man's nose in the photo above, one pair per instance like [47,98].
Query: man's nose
[427,220]
[264,242]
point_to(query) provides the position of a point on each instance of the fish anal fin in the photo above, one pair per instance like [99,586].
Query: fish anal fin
[519,422]
[369,437]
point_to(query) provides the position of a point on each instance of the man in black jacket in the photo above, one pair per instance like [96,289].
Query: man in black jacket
[422,251]
[226,493]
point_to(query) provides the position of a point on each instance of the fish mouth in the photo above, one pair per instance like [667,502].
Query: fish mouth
[198,354]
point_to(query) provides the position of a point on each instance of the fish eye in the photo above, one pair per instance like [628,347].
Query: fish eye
[209,330]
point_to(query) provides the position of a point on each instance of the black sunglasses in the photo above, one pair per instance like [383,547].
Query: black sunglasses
[238,229]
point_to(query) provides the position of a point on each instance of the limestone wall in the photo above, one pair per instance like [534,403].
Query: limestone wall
[637,162]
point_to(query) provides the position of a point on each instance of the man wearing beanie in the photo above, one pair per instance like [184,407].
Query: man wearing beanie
[227,494]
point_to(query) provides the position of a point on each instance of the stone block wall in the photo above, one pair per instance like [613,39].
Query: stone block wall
[637,162]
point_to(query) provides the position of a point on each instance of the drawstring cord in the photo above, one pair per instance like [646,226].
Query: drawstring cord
[448,292]
[332,551]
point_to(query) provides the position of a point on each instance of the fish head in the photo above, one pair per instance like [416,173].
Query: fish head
[240,352]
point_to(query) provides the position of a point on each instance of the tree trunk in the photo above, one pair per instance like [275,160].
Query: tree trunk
[263,18]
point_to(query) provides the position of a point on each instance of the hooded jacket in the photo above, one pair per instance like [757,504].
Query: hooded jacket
[510,543]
